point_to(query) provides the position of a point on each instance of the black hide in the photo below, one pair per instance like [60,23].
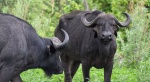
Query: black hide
[21,48]
[91,46]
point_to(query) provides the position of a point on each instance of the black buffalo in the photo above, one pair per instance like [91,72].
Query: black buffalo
[92,42]
[21,48]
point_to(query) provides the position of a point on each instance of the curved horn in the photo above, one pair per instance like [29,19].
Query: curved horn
[58,44]
[87,23]
[126,23]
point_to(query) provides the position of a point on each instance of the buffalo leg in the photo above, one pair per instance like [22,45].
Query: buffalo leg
[74,68]
[86,71]
[107,72]
[67,69]
[6,75]
[17,79]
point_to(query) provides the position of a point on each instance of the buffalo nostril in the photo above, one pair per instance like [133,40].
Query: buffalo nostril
[103,35]
[106,36]
[110,36]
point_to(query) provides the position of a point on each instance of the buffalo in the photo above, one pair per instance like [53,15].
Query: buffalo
[92,42]
[21,48]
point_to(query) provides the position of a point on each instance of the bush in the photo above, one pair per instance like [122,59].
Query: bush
[135,51]
[137,47]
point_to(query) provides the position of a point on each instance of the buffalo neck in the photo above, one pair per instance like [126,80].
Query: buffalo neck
[37,53]
[105,49]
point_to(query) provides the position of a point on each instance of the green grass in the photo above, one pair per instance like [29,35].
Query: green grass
[118,75]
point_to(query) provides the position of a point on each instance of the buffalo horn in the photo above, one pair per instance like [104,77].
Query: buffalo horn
[87,23]
[126,23]
[58,44]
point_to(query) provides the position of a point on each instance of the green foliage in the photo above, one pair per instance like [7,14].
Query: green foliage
[147,3]
[71,5]
[135,51]
[118,75]
[137,47]
[39,14]
[110,6]
[143,73]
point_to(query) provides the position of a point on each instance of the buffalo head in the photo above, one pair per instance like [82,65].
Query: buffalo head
[52,63]
[104,25]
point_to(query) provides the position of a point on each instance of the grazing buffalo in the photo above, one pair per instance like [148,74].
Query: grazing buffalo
[21,48]
[92,42]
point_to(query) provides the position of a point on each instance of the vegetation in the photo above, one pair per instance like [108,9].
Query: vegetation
[133,54]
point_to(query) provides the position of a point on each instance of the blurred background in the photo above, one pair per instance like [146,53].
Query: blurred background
[132,60]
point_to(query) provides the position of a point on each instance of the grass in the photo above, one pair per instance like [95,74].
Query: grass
[118,75]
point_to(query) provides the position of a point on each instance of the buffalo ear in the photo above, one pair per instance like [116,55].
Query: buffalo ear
[116,33]
[51,49]
[95,33]
[116,30]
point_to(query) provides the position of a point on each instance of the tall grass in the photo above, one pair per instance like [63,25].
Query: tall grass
[34,12]
[135,50]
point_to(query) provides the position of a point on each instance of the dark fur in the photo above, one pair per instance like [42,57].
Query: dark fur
[85,45]
[21,49]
